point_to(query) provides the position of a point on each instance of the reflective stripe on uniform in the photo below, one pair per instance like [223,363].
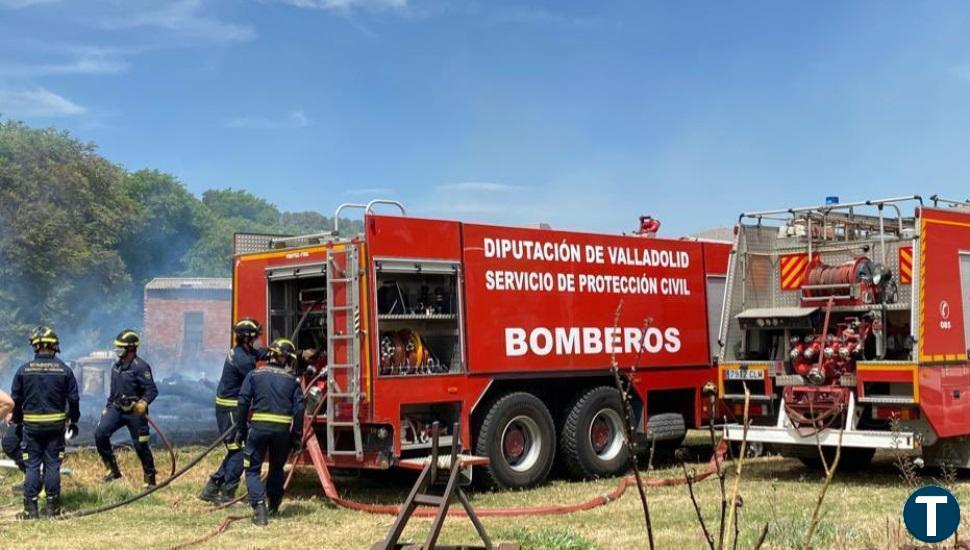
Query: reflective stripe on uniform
[47,417]
[270,417]
[226,402]
[246,462]
[233,446]
[144,438]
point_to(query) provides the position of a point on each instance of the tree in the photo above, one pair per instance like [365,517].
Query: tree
[236,203]
[170,221]
[63,213]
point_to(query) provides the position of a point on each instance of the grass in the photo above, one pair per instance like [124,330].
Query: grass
[862,511]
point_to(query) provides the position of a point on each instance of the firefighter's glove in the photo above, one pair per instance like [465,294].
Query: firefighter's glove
[309,354]
[140,408]
[296,443]
[72,431]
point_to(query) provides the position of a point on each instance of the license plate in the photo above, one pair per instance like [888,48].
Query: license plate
[745,374]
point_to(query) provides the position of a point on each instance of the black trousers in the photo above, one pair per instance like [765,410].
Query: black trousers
[263,443]
[43,451]
[112,420]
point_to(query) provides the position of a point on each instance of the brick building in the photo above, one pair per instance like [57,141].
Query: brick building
[187,324]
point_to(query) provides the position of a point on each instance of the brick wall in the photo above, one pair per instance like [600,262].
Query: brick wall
[164,332]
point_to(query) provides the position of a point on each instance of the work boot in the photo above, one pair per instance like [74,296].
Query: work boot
[274,508]
[259,514]
[113,471]
[227,493]
[30,509]
[210,493]
[149,481]
[53,506]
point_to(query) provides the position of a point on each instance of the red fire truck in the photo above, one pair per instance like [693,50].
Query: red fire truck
[848,323]
[508,331]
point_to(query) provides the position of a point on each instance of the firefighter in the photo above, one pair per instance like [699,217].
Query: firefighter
[11,438]
[45,398]
[274,397]
[221,486]
[132,391]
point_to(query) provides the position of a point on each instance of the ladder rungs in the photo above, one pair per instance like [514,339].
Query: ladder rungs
[343,423]
[340,280]
[343,394]
[341,308]
[344,453]
[428,500]
[342,336]
[341,366]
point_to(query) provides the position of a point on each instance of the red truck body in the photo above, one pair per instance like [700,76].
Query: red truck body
[504,330]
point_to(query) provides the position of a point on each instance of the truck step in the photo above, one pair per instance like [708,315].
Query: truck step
[888,400]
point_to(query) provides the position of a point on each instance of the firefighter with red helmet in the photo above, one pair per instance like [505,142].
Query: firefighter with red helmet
[46,401]
[221,486]
[132,390]
[274,397]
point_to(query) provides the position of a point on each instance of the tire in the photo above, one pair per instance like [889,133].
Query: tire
[519,439]
[669,430]
[592,441]
[852,459]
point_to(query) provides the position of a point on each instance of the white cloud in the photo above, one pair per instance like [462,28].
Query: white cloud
[347,5]
[291,120]
[15,4]
[184,17]
[37,102]
[479,186]
[81,65]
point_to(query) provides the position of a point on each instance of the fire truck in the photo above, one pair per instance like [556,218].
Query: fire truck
[507,332]
[847,324]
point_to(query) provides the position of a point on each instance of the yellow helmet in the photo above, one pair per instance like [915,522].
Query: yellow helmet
[127,338]
[44,337]
[284,349]
[247,327]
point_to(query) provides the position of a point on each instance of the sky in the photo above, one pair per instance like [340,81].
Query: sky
[580,114]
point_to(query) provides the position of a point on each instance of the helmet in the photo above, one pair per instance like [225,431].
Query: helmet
[283,349]
[44,337]
[127,339]
[247,327]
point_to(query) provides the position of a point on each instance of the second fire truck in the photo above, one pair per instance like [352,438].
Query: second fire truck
[849,324]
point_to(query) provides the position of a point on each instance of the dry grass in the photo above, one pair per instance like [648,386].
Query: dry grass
[861,511]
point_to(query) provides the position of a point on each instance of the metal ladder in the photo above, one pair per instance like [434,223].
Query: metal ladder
[343,345]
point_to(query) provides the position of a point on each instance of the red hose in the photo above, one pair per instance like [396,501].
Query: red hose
[595,502]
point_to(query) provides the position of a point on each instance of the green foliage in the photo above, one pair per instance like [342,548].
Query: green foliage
[169,221]
[62,217]
[545,539]
[236,203]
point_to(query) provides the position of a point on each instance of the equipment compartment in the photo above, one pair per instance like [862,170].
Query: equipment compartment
[418,317]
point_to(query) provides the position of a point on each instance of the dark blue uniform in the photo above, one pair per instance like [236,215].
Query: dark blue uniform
[275,398]
[45,398]
[130,382]
[240,362]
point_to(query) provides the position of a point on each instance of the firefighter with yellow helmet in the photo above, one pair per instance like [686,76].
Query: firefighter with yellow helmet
[46,402]
[132,391]
[274,397]
[221,486]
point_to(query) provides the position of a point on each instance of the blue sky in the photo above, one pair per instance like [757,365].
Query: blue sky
[580,114]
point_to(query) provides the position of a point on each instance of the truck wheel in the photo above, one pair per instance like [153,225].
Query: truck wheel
[592,440]
[519,439]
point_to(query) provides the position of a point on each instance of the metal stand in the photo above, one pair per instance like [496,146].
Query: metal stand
[432,474]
